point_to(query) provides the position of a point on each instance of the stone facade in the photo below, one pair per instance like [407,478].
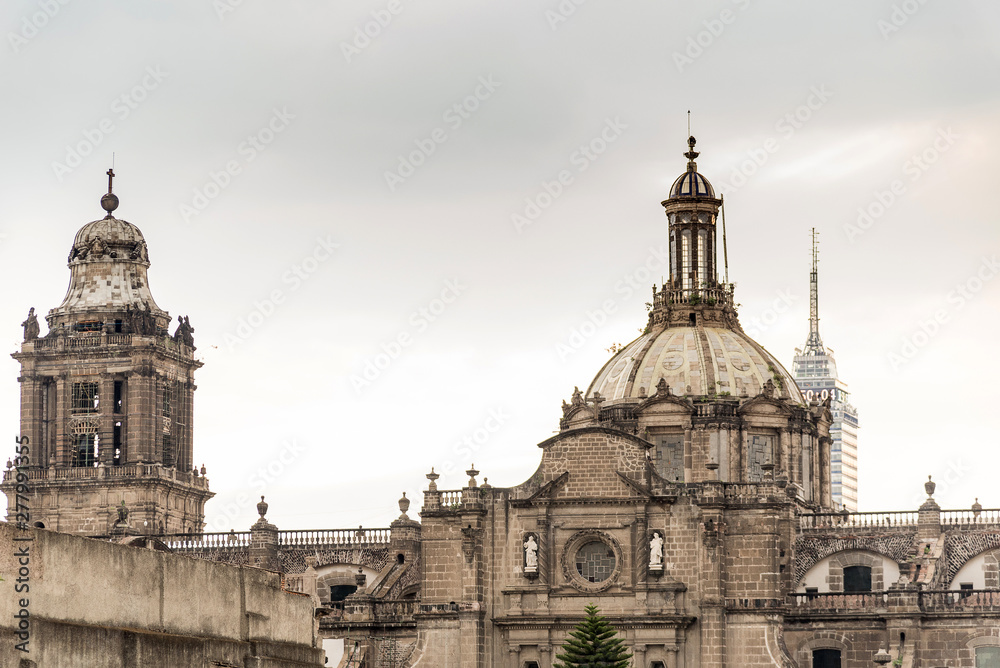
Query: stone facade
[687,494]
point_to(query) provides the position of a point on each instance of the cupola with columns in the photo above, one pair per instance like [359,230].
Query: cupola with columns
[712,403]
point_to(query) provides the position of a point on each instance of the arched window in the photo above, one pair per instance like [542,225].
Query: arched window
[826,658]
[857,578]
[988,657]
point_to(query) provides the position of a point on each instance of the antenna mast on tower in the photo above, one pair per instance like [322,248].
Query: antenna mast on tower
[814,344]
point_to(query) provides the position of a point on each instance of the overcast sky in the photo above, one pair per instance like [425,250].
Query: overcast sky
[463,188]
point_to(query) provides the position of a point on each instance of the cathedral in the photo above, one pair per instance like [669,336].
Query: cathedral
[687,494]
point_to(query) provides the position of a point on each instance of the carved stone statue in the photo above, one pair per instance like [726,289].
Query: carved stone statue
[30,325]
[141,319]
[122,513]
[530,554]
[656,550]
[184,332]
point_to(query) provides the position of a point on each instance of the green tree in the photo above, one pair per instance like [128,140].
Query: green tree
[593,644]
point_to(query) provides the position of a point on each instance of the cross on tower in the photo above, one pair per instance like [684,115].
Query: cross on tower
[111,177]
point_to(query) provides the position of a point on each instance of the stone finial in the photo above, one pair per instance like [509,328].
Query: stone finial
[9,464]
[262,507]
[404,505]
[433,478]
[472,473]
[929,487]
[882,657]
[203,471]
[311,561]
[977,508]
[486,483]
[360,578]
[194,472]
[662,389]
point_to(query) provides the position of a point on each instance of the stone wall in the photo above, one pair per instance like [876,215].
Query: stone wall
[94,604]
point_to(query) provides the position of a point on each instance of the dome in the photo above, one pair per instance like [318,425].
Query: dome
[110,230]
[109,239]
[691,184]
[692,361]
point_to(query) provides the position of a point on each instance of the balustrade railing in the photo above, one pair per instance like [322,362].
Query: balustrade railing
[88,341]
[846,601]
[451,498]
[970,519]
[91,472]
[208,541]
[957,601]
[395,608]
[692,296]
[334,537]
[966,600]
[858,520]
[725,409]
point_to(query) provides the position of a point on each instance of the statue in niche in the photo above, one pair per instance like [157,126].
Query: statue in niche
[530,554]
[30,325]
[656,550]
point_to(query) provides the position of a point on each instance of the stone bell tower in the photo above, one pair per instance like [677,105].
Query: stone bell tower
[107,398]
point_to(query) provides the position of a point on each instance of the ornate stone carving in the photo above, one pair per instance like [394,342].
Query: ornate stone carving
[30,325]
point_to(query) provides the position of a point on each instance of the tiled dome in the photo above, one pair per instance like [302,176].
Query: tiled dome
[695,362]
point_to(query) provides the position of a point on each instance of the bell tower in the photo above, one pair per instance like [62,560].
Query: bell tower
[107,397]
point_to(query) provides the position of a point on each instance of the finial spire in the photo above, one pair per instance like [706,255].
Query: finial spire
[814,344]
[692,154]
[110,201]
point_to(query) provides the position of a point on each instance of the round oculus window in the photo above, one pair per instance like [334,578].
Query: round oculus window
[595,561]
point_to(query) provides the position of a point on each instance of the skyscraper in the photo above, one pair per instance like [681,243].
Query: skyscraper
[815,372]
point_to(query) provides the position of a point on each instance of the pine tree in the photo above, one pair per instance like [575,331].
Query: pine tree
[593,644]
